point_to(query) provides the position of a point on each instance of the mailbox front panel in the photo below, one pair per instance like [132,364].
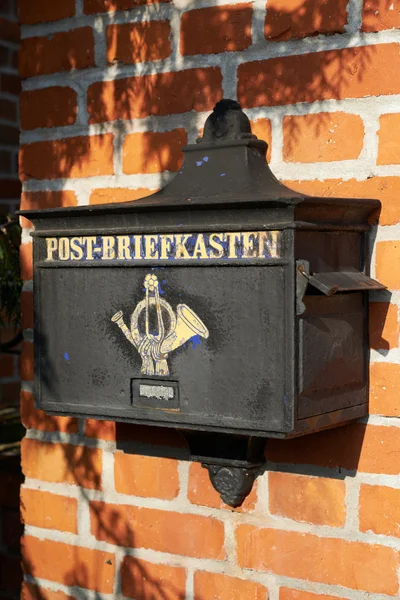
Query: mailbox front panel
[165,342]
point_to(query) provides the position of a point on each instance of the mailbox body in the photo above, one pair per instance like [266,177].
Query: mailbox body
[244,345]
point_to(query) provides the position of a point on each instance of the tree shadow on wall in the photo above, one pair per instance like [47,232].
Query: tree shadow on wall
[277,82]
[79,567]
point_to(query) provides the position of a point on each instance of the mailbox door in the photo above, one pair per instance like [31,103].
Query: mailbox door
[190,343]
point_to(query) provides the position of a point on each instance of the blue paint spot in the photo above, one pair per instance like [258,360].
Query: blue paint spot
[284,400]
[161,291]
[66,355]
[196,341]
[164,281]
[205,159]
[222,174]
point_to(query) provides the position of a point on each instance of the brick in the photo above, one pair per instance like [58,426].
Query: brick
[10,393]
[112,195]
[322,137]
[165,531]
[8,334]
[9,135]
[295,19]
[31,591]
[263,130]
[316,500]
[96,6]
[355,565]
[10,481]
[332,74]
[14,59]
[100,430]
[384,388]
[62,463]
[378,15]
[26,369]
[380,510]
[151,152]
[289,594]
[10,188]
[48,199]
[389,144]
[6,365]
[138,42]
[58,52]
[223,29]
[9,30]
[147,476]
[51,511]
[5,161]
[8,109]
[39,200]
[10,83]
[202,493]
[48,107]
[159,94]
[25,256]
[12,528]
[10,573]
[4,54]
[385,189]
[42,11]
[370,449]
[34,418]
[215,586]
[83,156]
[142,580]
[69,565]
[383,325]
[388,255]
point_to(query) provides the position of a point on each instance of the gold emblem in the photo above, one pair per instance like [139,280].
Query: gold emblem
[172,330]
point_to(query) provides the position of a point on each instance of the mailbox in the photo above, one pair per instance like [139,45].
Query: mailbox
[225,305]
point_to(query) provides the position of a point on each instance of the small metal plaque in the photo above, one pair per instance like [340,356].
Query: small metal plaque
[155,393]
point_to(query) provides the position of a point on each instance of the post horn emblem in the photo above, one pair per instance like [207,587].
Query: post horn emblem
[172,330]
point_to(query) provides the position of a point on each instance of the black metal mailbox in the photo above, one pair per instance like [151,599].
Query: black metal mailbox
[226,305]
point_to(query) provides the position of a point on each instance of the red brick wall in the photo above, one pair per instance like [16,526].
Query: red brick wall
[10,187]
[112,90]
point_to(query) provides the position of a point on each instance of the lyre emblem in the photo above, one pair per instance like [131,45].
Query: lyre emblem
[170,331]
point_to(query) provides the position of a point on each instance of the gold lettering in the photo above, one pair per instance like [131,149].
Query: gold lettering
[123,247]
[248,245]
[75,247]
[90,242]
[138,247]
[272,244]
[150,247]
[200,247]
[108,247]
[51,244]
[232,238]
[63,248]
[217,245]
[181,250]
[166,245]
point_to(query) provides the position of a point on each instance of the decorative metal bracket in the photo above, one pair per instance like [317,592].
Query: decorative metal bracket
[233,462]
[233,484]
